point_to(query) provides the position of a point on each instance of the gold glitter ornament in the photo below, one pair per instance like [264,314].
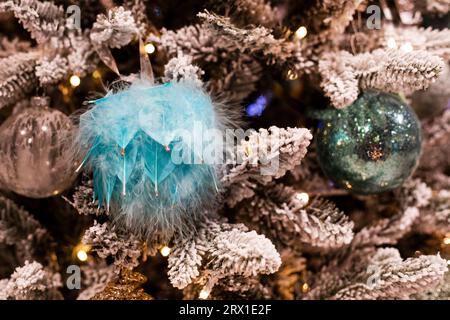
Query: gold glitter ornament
[126,287]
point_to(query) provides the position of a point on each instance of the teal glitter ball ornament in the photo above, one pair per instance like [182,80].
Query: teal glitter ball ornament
[371,146]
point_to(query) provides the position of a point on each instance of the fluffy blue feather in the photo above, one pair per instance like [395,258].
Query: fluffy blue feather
[129,138]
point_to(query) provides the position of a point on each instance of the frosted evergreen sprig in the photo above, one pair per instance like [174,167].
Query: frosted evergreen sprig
[393,278]
[51,71]
[218,250]
[17,77]
[260,41]
[108,241]
[31,282]
[43,19]
[282,214]
[266,154]
[387,70]
[115,30]
[19,229]
[181,68]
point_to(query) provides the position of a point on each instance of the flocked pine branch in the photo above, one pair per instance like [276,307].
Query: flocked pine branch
[115,30]
[83,200]
[43,19]
[219,250]
[329,18]
[31,282]
[441,292]
[438,6]
[265,155]
[235,73]
[338,79]
[350,268]
[386,70]
[19,229]
[108,241]
[389,277]
[138,10]
[387,231]
[433,41]
[286,218]
[377,274]
[260,41]
[254,12]
[181,68]
[435,217]
[435,159]
[12,46]
[17,77]
[51,71]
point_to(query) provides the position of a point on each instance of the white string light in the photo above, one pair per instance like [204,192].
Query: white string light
[301,32]
[75,80]
[165,251]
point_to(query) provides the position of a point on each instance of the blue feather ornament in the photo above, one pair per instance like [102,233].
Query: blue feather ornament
[134,140]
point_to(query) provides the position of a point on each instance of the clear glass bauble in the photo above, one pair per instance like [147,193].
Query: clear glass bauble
[34,157]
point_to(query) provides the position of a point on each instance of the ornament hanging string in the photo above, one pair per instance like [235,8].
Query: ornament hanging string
[146,72]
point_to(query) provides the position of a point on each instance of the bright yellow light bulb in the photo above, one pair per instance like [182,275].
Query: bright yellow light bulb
[75,80]
[96,74]
[305,287]
[446,240]
[204,294]
[301,32]
[303,197]
[292,75]
[150,48]
[165,251]
[82,255]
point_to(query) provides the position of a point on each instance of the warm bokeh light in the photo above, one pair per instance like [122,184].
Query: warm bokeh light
[165,251]
[292,75]
[204,294]
[301,32]
[149,48]
[303,197]
[81,252]
[75,81]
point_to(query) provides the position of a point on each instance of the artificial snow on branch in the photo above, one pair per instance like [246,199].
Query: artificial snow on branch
[235,73]
[438,6]
[181,68]
[82,200]
[51,71]
[387,231]
[433,41]
[107,241]
[218,250]
[281,213]
[265,155]
[330,18]
[259,41]
[17,77]
[393,278]
[115,30]
[251,12]
[31,282]
[20,230]
[43,19]
[387,70]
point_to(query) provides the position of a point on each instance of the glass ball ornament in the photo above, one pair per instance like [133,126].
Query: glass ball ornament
[432,101]
[34,159]
[371,146]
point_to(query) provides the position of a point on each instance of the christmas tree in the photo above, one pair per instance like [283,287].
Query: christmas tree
[334,177]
